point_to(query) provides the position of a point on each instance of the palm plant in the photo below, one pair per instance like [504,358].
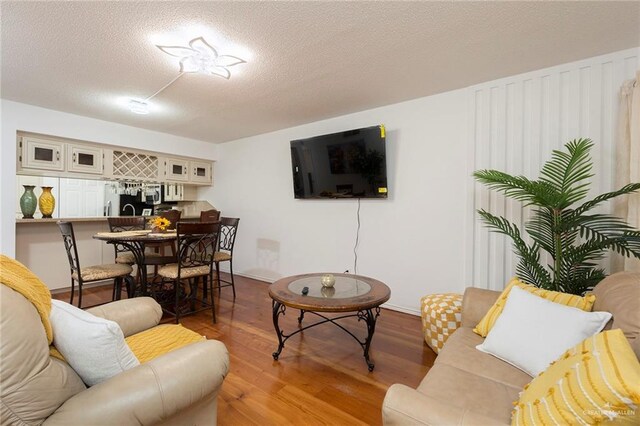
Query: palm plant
[575,238]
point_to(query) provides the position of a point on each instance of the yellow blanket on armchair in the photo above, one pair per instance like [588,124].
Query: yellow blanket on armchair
[19,278]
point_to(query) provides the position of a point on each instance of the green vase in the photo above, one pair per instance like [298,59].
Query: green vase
[28,202]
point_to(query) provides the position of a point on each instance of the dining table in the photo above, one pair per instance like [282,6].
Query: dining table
[136,242]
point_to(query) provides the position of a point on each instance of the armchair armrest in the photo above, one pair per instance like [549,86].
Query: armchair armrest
[475,304]
[403,405]
[132,315]
[152,392]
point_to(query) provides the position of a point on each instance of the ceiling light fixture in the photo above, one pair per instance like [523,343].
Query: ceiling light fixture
[138,107]
[199,57]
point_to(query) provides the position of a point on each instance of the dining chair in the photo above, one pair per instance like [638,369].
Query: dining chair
[197,243]
[121,224]
[228,231]
[212,215]
[117,271]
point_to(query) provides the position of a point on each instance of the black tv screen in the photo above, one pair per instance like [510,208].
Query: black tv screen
[351,164]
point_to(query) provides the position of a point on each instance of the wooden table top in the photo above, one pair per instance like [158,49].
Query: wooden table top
[136,236]
[350,293]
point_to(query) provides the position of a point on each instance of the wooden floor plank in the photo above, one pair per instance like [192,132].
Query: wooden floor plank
[320,378]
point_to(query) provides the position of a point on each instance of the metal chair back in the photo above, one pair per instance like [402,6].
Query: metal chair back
[196,244]
[228,231]
[173,216]
[69,239]
[125,223]
[212,215]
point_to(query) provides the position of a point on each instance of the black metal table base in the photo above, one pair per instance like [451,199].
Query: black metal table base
[369,316]
[137,249]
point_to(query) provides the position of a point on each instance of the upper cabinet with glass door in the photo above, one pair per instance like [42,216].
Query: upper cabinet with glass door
[41,154]
[200,172]
[188,171]
[49,157]
[84,159]
[177,169]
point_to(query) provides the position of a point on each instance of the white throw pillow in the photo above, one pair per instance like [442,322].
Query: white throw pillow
[94,347]
[532,332]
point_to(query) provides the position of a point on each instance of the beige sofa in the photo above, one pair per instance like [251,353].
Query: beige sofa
[469,387]
[179,387]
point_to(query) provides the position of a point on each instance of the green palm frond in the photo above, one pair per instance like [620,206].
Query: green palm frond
[540,228]
[530,271]
[601,226]
[568,168]
[574,239]
[529,268]
[517,187]
[585,207]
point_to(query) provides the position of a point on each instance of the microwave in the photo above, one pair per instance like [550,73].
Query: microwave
[153,194]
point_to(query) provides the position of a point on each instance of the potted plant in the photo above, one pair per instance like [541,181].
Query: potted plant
[574,236]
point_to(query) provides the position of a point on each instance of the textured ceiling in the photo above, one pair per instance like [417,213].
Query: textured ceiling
[306,61]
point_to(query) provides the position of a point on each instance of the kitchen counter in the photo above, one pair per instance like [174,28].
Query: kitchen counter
[87,219]
[66,219]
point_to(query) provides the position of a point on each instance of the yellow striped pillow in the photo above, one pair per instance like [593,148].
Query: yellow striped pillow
[484,326]
[596,381]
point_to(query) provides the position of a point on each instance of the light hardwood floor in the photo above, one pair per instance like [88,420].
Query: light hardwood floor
[321,376]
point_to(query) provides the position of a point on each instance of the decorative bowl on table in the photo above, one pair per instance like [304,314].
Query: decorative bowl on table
[328,280]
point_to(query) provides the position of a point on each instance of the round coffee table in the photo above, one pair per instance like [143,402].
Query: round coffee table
[354,295]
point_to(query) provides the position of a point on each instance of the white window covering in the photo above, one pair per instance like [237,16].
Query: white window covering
[628,160]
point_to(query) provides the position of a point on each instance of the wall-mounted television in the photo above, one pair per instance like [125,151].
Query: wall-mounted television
[351,164]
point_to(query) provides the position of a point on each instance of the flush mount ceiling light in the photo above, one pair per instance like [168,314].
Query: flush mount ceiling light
[198,57]
[138,107]
[201,57]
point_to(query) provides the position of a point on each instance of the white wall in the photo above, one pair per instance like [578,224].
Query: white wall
[413,241]
[16,116]
[426,237]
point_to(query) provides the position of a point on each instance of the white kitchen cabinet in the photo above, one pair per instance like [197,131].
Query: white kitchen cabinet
[200,172]
[42,154]
[84,159]
[179,192]
[177,169]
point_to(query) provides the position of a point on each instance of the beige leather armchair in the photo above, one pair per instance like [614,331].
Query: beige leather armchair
[179,387]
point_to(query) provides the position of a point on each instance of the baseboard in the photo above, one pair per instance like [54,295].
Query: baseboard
[84,286]
[253,277]
[401,309]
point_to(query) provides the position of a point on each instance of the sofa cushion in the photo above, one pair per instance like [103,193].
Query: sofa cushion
[484,326]
[93,346]
[595,381]
[465,391]
[18,277]
[620,294]
[532,332]
[460,352]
